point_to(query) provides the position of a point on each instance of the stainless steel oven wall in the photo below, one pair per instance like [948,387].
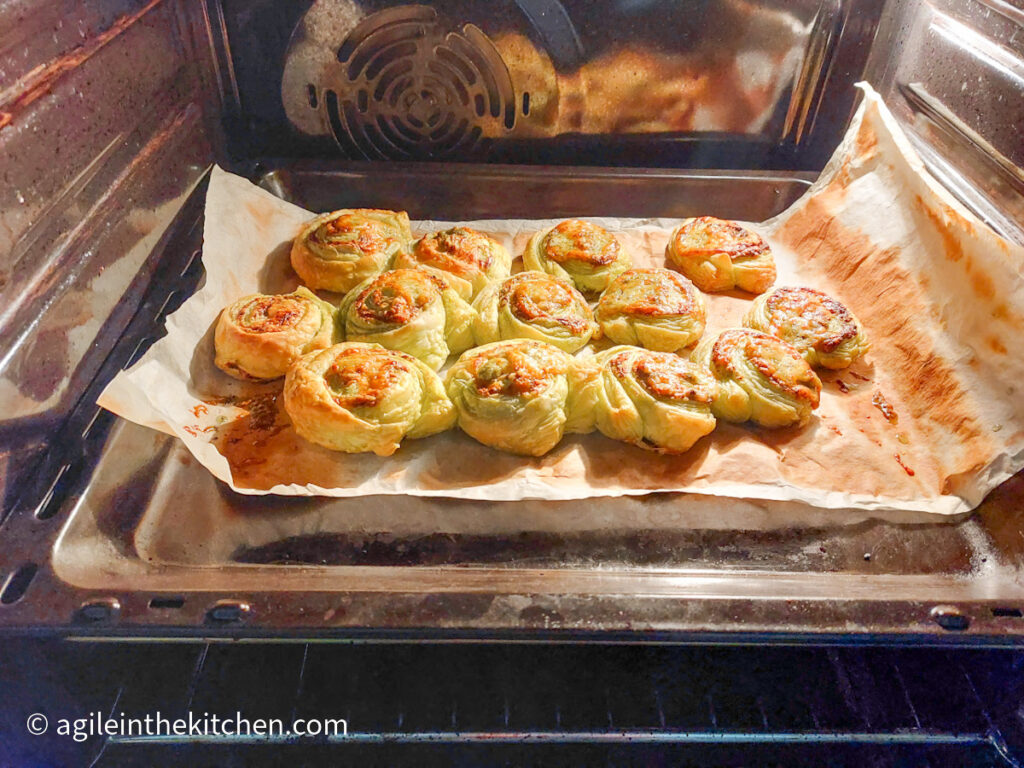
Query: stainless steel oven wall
[698,83]
[107,120]
[952,71]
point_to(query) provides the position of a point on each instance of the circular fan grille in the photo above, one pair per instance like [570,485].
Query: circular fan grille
[413,86]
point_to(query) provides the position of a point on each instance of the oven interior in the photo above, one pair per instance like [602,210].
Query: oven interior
[110,118]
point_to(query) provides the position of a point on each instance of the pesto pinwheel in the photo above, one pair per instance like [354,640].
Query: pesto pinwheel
[362,398]
[654,400]
[515,396]
[584,253]
[821,328]
[338,250]
[467,259]
[534,305]
[760,378]
[654,308]
[259,336]
[720,255]
[411,311]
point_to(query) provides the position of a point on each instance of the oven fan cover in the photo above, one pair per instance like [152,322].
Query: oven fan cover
[401,83]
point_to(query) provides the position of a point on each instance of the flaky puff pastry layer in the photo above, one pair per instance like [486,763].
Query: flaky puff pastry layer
[516,396]
[719,255]
[362,398]
[534,305]
[654,308]
[760,378]
[409,310]
[467,259]
[336,251]
[259,336]
[587,255]
[654,400]
[825,332]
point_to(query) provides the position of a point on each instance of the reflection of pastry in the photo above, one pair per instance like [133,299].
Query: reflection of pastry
[359,398]
[534,305]
[760,378]
[654,400]
[824,331]
[579,251]
[411,311]
[721,255]
[467,259]
[514,395]
[654,308]
[259,336]
[336,251]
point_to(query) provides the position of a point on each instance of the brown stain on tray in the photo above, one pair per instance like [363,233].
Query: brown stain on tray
[263,450]
[245,442]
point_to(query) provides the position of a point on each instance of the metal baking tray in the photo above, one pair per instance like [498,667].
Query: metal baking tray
[124,535]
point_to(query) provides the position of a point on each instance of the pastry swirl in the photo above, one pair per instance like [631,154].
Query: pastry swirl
[824,331]
[654,308]
[338,250]
[467,259]
[514,395]
[655,400]
[534,305]
[259,336]
[411,311]
[720,255]
[760,378]
[575,250]
[361,398]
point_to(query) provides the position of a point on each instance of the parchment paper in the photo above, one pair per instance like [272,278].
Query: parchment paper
[940,295]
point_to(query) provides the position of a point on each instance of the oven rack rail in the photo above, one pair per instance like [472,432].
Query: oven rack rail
[527,704]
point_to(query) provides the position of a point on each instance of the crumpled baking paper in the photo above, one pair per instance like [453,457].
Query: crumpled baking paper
[929,421]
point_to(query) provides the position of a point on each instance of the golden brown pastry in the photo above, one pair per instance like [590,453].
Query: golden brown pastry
[411,311]
[515,395]
[467,259]
[361,398]
[654,308]
[575,250]
[760,378]
[721,255]
[336,251]
[534,305]
[655,400]
[824,331]
[259,336]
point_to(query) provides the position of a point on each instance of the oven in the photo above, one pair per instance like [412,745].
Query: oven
[727,635]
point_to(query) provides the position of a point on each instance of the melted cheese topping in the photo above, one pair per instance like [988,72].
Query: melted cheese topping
[705,236]
[649,293]
[808,317]
[461,251]
[517,369]
[581,241]
[397,297]
[533,296]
